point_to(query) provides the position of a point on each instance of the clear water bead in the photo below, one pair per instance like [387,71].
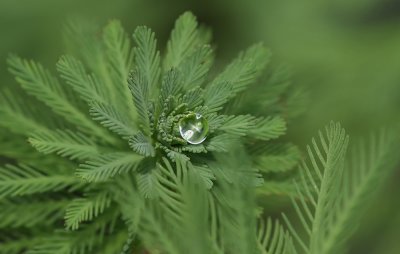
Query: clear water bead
[193,128]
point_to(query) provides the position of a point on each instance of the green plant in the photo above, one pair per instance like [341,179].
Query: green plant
[114,167]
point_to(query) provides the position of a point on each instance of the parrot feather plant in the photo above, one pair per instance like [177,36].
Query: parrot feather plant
[131,152]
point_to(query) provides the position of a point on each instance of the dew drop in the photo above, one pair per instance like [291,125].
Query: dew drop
[193,128]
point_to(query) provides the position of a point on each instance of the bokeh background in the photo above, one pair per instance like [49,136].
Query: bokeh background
[345,52]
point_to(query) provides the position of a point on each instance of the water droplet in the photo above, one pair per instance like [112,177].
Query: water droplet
[193,128]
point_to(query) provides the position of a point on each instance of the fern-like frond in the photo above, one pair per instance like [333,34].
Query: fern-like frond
[235,202]
[153,233]
[243,71]
[182,202]
[85,209]
[217,95]
[14,147]
[147,57]
[75,75]
[16,117]
[120,53]
[185,38]
[21,244]
[238,125]
[83,41]
[193,97]
[336,198]
[220,143]
[141,144]
[28,213]
[369,166]
[194,68]
[129,200]
[23,180]
[139,215]
[86,240]
[119,59]
[204,173]
[273,239]
[140,93]
[174,156]
[216,121]
[200,148]
[171,85]
[321,181]
[147,179]
[54,245]
[297,101]
[40,83]
[277,157]
[105,166]
[66,143]
[271,96]
[113,119]
[269,128]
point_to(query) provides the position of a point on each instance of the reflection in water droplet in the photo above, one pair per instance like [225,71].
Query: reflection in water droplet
[193,128]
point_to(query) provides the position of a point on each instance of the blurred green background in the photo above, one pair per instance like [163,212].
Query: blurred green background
[345,52]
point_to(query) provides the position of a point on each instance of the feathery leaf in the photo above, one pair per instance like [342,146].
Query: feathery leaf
[111,118]
[74,73]
[147,57]
[18,118]
[139,90]
[279,157]
[85,209]
[105,166]
[119,60]
[171,85]
[195,67]
[23,180]
[185,38]
[147,179]
[321,181]
[65,143]
[40,83]
[141,144]
[273,239]
[30,213]
[238,125]
[240,73]
[268,128]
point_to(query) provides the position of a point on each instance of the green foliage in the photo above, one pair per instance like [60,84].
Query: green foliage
[110,118]
[141,144]
[40,83]
[332,193]
[241,72]
[147,181]
[278,157]
[17,116]
[66,143]
[85,209]
[105,166]
[106,159]
[118,63]
[272,238]
[139,89]
[41,212]
[147,58]
[75,75]
[185,38]
[195,67]
[24,180]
